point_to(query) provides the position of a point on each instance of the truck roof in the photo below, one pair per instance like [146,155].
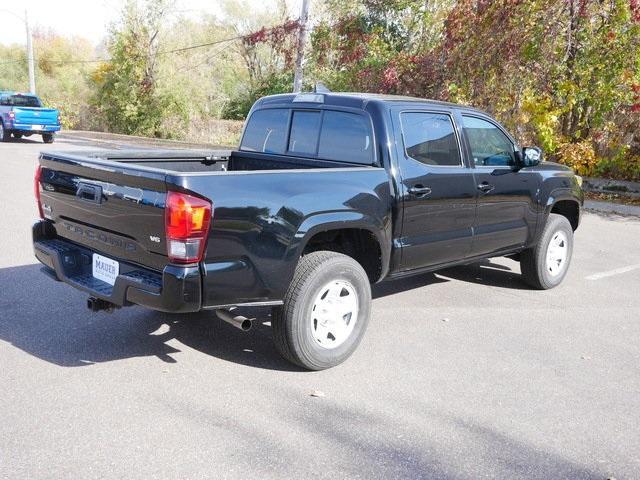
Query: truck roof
[352,99]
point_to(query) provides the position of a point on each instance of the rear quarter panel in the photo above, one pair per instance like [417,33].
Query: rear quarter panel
[262,221]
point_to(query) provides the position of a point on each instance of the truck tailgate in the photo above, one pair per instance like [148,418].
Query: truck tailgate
[36,116]
[113,209]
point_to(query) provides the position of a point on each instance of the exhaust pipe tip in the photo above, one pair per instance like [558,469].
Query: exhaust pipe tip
[238,321]
[97,304]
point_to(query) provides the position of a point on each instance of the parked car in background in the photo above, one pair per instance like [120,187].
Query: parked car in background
[23,115]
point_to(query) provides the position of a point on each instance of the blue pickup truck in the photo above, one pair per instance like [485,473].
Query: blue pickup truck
[23,115]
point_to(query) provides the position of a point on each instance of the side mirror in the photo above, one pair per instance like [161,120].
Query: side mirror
[531,156]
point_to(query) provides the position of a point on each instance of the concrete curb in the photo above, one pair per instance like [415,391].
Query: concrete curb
[612,208]
[607,185]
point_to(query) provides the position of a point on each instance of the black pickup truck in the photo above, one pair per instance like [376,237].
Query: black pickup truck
[327,193]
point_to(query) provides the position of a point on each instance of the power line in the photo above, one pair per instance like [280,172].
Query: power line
[162,52]
[197,65]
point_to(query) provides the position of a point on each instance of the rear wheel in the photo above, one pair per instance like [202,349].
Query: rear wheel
[5,135]
[17,135]
[545,265]
[325,312]
[47,137]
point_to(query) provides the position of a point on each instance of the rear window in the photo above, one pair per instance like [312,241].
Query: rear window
[328,134]
[20,101]
[305,127]
[346,137]
[266,131]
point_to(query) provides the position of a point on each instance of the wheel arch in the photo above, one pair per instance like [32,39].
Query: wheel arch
[350,232]
[566,204]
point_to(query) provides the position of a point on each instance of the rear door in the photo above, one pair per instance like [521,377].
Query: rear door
[506,212]
[439,192]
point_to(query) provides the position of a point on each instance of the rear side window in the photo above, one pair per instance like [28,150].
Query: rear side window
[346,137]
[266,131]
[429,138]
[305,128]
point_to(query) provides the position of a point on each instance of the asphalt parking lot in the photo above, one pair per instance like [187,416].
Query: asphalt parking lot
[463,374]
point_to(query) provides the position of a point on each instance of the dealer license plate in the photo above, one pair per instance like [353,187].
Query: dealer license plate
[105,269]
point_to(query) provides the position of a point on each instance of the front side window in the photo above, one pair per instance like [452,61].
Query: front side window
[490,147]
[430,138]
[346,137]
[266,131]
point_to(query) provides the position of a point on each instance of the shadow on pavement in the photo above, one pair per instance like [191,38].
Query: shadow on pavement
[32,139]
[485,272]
[471,451]
[49,320]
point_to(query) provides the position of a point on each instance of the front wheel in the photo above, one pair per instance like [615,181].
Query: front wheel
[325,312]
[17,135]
[47,137]
[545,265]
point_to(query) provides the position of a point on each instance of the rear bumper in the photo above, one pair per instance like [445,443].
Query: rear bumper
[28,128]
[177,289]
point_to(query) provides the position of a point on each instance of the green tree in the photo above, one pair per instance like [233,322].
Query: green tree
[127,93]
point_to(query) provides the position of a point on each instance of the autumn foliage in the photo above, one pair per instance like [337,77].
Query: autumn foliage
[562,74]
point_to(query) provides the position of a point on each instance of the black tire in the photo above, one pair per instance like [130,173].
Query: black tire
[47,137]
[294,323]
[5,135]
[533,261]
[17,135]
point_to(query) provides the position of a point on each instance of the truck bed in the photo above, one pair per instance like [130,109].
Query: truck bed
[114,201]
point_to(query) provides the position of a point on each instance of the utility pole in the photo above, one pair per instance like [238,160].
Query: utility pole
[302,42]
[32,74]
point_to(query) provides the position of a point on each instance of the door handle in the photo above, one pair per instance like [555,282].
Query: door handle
[486,187]
[419,190]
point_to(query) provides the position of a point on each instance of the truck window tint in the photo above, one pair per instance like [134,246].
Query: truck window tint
[490,147]
[346,137]
[430,138]
[305,128]
[266,131]
[21,101]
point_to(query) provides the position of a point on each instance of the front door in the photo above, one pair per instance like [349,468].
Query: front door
[506,212]
[439,192]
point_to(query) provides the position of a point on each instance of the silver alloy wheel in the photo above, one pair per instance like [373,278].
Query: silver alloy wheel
[1,130]
[557,252]
[334,314]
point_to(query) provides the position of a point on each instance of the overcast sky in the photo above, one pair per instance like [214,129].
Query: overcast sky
[86,18]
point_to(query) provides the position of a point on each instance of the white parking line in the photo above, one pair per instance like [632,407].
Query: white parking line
[611,273]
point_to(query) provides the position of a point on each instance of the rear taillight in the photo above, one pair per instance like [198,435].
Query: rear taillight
[187,220]
[36,189]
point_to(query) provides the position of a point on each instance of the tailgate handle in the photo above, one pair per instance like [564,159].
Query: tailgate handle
[89,193]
